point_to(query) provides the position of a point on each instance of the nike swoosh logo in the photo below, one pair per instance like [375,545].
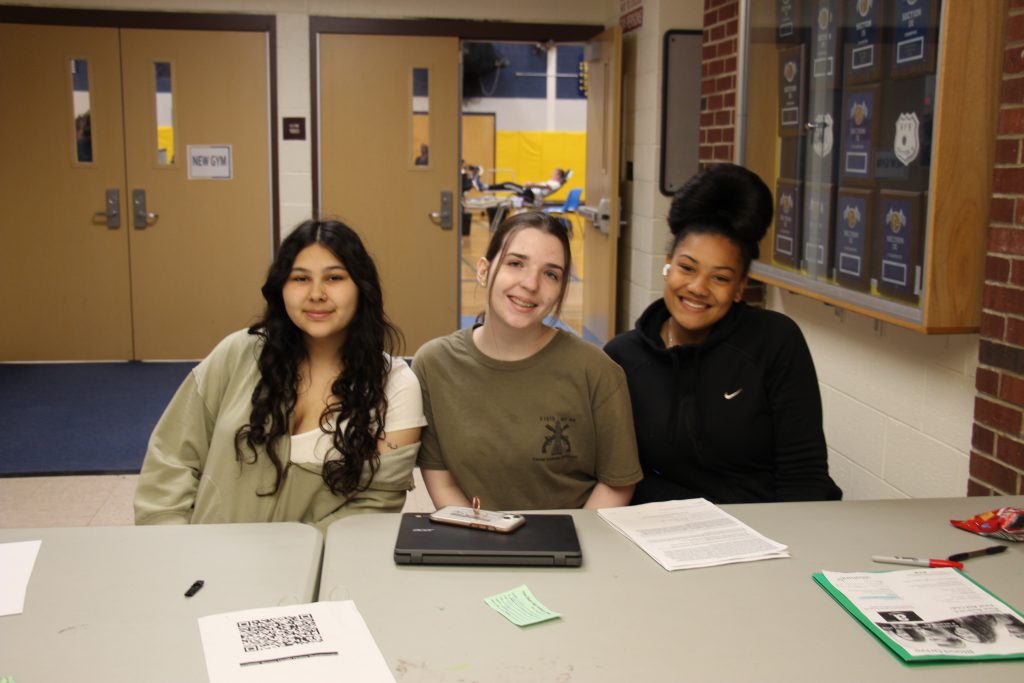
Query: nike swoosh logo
[729,397]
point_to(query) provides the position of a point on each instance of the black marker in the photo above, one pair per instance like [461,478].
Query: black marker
[194,588]
[991,550]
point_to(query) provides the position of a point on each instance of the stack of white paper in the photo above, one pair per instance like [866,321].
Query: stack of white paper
[685,534]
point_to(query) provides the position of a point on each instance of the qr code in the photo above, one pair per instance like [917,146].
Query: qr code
[267,634]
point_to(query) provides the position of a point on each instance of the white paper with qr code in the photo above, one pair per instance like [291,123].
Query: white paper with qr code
[686,534]
[320,641]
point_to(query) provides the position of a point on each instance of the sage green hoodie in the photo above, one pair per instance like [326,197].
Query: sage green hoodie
[191,475]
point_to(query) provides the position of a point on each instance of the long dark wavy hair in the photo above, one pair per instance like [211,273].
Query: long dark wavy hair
[359,390]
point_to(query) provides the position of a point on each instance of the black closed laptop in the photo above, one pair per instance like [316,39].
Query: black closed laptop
[545,540]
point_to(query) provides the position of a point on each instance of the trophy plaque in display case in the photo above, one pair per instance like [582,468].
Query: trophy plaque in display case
[862,51]
[787,21]
[817,229]
[826,45]
[792,91]
[860,135]
[854,216]
[914,29]
[898,247]
[786,242]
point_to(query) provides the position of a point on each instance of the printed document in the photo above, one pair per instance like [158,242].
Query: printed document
[929,614]
[320,641]
[686,534]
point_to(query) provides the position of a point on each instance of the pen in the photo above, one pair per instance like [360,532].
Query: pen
[916,561]
[194,588]
[991,550]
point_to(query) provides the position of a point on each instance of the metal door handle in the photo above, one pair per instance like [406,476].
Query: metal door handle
[112,215]
[444,216]
[140,217]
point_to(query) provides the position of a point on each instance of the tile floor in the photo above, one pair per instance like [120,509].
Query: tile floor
[98,500]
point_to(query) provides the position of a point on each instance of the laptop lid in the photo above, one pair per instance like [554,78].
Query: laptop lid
[545,540]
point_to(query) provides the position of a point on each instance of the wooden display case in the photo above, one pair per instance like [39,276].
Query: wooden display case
[955,74]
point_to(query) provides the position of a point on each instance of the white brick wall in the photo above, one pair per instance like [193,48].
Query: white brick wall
[898,404]
[643,247]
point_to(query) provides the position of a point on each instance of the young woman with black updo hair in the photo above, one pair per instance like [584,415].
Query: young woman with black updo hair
[725,397]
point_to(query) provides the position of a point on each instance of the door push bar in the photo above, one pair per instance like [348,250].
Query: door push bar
[599,216]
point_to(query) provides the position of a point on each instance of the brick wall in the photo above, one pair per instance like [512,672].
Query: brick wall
[719,80]
[997,446]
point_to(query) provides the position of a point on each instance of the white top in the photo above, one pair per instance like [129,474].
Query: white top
[405,411]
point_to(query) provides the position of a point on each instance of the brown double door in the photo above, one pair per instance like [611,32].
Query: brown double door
[131,247]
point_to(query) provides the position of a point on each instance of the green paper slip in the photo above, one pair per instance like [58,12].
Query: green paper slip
[520,607]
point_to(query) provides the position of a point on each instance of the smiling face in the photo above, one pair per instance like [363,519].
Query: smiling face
[705,278]
[320,296]
[527,284]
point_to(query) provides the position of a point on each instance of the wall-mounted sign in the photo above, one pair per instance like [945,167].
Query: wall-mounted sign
[294,128]
[209,162]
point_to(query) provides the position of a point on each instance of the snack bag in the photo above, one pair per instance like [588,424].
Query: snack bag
[1005,523]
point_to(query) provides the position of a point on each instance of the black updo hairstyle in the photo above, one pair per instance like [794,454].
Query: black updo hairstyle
[727,200]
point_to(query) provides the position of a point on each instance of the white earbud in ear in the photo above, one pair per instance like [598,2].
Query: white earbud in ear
[665,269]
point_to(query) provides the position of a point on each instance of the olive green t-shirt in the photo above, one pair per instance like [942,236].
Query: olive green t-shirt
[532,434]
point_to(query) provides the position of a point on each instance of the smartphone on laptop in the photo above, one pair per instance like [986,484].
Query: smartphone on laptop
[502,522]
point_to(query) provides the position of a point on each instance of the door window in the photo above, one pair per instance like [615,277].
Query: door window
[81,110]
[420,117]
[164,114]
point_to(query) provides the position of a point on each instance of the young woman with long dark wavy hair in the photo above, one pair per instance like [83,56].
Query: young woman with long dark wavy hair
[305,416]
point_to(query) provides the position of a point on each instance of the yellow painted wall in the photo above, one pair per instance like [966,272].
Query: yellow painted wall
[420,134]
[165,141]
[532,155]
